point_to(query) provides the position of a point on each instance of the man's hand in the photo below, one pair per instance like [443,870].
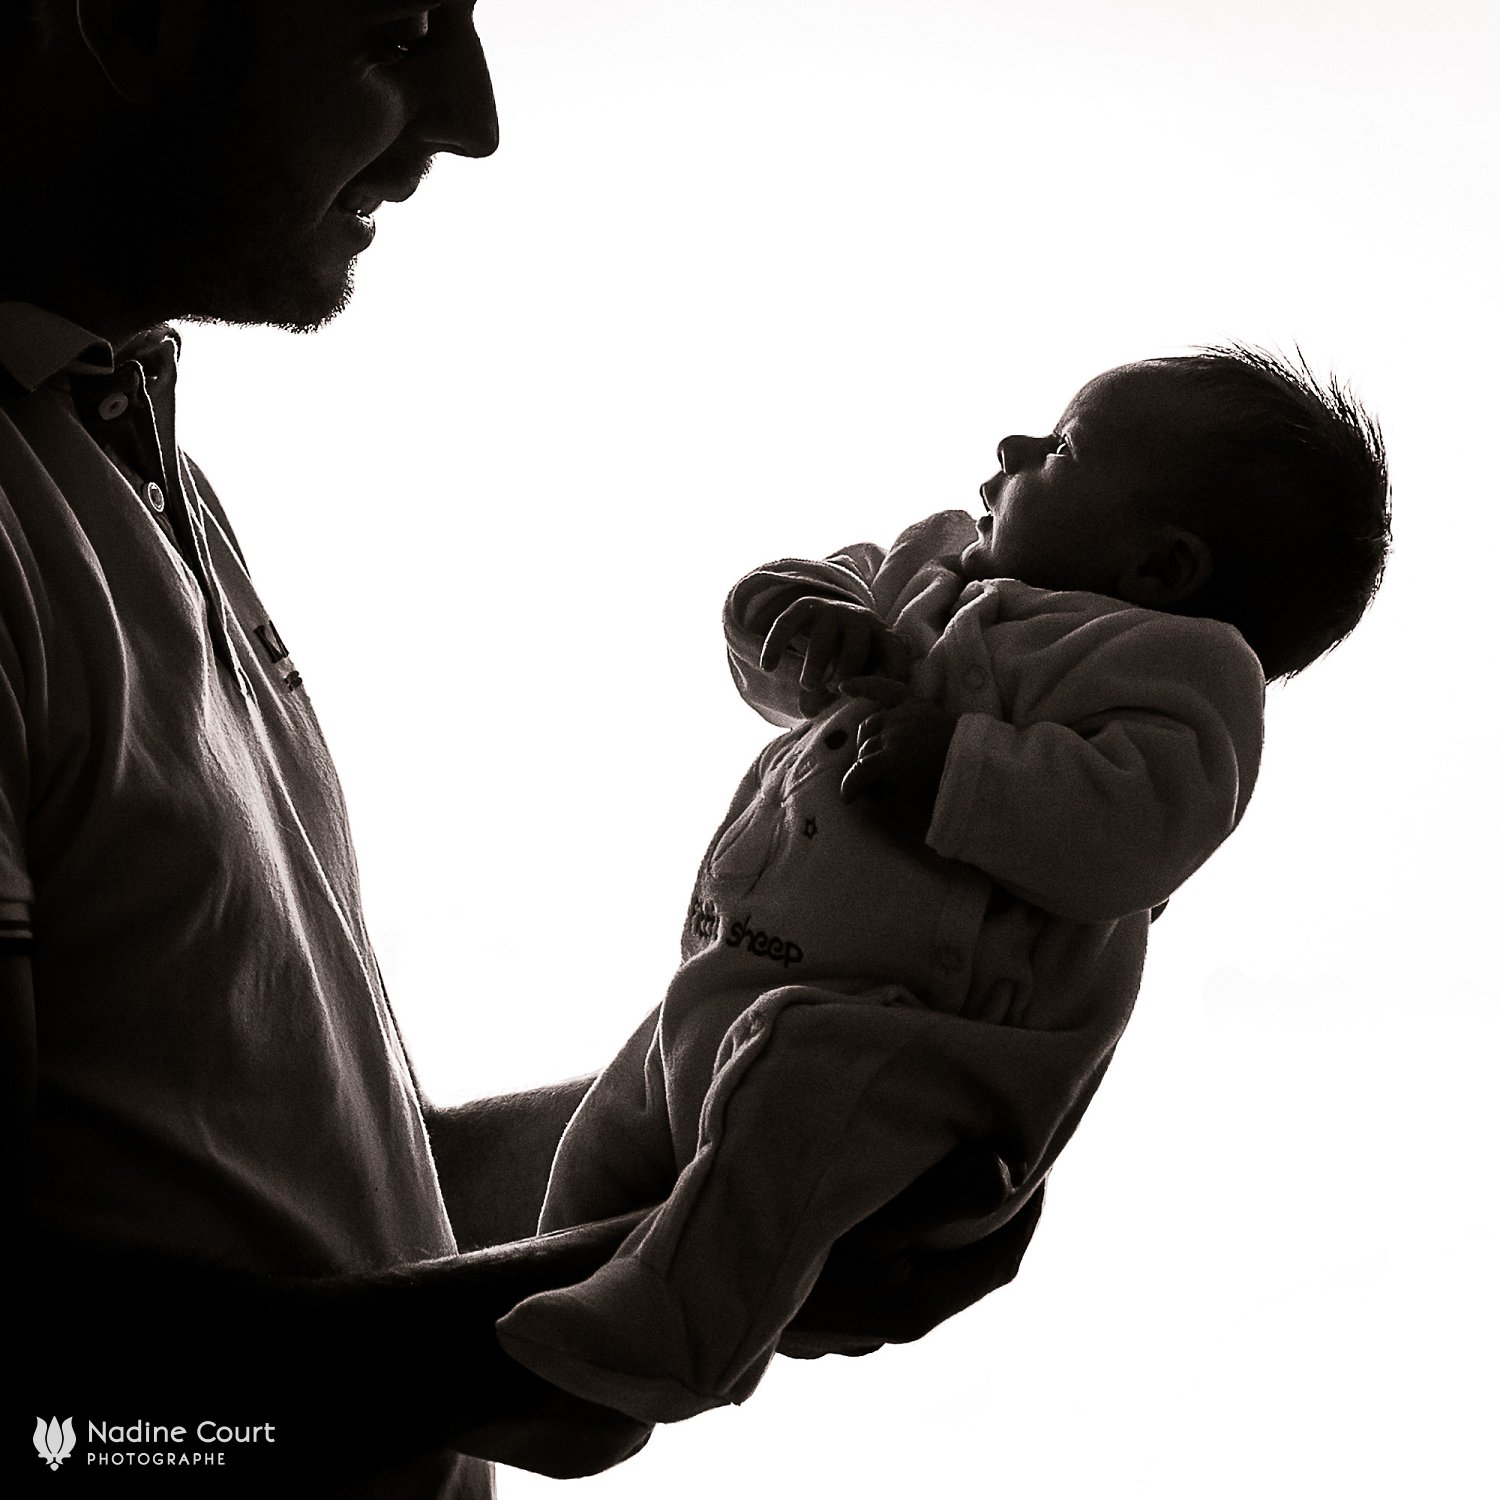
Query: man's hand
[392,1363]
[836,640]
[549,1431]
[901,747]
[886,1282]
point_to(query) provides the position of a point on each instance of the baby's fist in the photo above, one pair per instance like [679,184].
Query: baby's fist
[836,639]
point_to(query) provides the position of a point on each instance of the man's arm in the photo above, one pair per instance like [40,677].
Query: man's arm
[18,1051]
[494,1157]
[356,1372]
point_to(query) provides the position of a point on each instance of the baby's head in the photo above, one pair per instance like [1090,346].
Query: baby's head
[1228,483]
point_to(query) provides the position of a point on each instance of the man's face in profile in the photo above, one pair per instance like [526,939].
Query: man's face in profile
[300,118]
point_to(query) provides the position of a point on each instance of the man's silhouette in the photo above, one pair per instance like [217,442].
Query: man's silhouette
[234,1194]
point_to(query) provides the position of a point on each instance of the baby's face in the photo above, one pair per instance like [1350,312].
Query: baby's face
[1070,510]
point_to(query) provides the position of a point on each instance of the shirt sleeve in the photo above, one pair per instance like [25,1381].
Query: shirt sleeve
[17,623]
[1105,804]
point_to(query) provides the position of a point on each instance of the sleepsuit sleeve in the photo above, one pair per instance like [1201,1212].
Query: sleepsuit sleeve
[911,588]
[1121,776]
[759,597]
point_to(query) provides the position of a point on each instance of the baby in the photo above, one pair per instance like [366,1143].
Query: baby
[924,918]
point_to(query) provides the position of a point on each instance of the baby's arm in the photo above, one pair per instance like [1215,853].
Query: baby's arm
[797,627]
[1139,767]
[863,610]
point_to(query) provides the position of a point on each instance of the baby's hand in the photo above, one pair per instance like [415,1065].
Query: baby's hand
[836,640]
[901,747]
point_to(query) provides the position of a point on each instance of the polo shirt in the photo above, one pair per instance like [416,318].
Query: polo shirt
[219,1072]
[219,1069]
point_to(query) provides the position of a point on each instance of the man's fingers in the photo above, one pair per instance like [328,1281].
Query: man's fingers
[948,1282]
[970,1182]
[795,1343]
[864,1299]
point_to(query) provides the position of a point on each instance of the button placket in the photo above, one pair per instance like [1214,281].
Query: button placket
[141,441]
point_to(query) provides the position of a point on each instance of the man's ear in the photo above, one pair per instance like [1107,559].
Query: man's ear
[143,47]
[1173,566]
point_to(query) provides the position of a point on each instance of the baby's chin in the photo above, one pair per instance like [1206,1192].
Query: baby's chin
[975,563]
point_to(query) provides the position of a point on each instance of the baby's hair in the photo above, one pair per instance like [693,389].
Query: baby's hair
[1293,500]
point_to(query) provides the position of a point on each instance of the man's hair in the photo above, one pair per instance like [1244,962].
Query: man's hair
[21,25]
[1293,500]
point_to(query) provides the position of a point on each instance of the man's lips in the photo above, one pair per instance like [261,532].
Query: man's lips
[359,204]
[363,201]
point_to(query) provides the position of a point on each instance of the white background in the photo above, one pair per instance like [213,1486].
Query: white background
[751,277]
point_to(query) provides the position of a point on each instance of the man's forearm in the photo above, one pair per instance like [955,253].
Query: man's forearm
[356,1373]
[494,1156]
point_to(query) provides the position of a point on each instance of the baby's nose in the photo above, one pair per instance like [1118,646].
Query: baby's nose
[1018,452]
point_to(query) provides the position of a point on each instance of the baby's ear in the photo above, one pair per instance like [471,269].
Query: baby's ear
[1172,567]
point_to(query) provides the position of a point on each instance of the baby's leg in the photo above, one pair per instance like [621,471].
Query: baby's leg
[824,1106]
[616,1153]
[637,1128]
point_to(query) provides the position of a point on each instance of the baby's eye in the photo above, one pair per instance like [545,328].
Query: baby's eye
[1059,445]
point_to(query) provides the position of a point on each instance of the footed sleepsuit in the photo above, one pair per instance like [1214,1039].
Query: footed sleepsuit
[855,1000]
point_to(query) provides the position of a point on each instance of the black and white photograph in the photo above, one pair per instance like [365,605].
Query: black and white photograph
[747,745]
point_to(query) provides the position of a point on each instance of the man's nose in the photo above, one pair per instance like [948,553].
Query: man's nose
[457,112]
[1018,452]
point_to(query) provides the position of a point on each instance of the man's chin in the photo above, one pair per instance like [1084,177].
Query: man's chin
[288,297]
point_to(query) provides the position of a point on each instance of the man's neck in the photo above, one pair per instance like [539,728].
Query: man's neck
[63,261]
[73,230]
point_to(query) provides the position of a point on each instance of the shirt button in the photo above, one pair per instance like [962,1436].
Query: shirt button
[949,958]
[113,405]
[155,498]
[974,677]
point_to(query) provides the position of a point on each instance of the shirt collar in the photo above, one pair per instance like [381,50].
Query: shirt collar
[36,345]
